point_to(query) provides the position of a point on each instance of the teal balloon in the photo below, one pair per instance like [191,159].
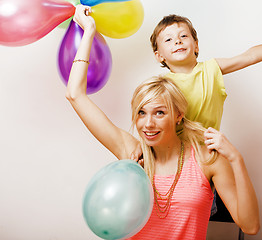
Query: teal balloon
[95,2]
[118,200]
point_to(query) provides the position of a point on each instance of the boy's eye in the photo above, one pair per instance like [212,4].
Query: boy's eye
[184,35]
[168,39]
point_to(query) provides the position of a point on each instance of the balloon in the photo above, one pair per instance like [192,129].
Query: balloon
[74,2]
[118,19]
[67,22]
[118,200]
[100,58]
[95,2]
[25,21]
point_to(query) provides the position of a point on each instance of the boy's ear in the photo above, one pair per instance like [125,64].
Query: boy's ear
[197,47]
[159,58]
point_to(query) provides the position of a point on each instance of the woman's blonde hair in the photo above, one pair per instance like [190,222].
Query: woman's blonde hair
[192,132]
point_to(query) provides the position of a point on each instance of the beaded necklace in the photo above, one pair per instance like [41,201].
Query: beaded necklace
[162,210]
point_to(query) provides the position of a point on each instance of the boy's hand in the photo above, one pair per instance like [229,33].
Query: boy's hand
[217,140]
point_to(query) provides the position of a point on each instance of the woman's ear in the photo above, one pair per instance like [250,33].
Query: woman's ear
[179,117]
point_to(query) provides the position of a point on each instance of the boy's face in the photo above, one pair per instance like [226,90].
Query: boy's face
[176,45]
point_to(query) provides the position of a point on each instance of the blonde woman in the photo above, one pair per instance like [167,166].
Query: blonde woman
[182,169]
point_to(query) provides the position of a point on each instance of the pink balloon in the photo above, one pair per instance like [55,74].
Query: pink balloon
[25,21]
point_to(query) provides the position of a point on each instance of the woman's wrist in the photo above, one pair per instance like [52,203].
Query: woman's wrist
[89,34]
[236,158]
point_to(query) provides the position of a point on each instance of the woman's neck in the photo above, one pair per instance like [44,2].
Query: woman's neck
[168,152]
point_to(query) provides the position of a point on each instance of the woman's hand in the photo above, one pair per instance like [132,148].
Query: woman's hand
[83,19]
[137,155]
[216,140]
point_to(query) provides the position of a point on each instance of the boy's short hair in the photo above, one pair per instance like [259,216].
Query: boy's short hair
[167,21]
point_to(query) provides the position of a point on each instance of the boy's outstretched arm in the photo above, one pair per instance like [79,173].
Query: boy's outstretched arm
[252,56]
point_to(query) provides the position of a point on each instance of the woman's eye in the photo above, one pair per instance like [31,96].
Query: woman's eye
[141,113]
[160,113]
[168,40]
[184,36]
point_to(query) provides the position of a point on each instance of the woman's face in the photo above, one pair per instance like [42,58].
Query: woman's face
[155,123]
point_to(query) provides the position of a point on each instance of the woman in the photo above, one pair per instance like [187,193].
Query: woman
[183,171]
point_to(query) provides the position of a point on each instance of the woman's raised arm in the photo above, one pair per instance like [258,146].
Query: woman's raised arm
[116,140]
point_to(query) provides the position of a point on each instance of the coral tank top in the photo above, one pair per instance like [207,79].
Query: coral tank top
[190,206]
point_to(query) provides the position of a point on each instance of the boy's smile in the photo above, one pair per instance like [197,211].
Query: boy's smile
[176,45]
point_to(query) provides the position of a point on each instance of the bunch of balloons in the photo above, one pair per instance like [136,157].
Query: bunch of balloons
[25,21]
[118,200]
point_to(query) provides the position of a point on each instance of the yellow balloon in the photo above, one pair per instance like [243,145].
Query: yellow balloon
[118,19]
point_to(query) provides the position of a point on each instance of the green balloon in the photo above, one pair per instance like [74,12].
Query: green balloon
[118,200]
[67,22]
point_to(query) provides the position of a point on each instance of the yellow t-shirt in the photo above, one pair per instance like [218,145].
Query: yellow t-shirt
[205,92]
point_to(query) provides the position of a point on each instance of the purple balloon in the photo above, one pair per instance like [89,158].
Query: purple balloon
[100,58]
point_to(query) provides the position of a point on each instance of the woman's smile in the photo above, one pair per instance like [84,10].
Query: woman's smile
[151,135]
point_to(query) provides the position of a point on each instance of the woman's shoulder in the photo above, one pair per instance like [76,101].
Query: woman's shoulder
[204,157]
[212,162]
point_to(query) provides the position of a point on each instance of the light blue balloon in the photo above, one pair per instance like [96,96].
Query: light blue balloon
[95,2]
[118,200]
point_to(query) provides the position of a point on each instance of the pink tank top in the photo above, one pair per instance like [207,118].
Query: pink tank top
[190,206]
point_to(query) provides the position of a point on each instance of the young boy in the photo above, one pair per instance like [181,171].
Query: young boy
[175,44]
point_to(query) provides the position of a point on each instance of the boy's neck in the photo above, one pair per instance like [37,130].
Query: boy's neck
[183,68]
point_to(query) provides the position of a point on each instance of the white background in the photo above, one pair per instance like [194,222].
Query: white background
[47,156]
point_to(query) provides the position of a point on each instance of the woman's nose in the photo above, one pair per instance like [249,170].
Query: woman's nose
[149,122]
